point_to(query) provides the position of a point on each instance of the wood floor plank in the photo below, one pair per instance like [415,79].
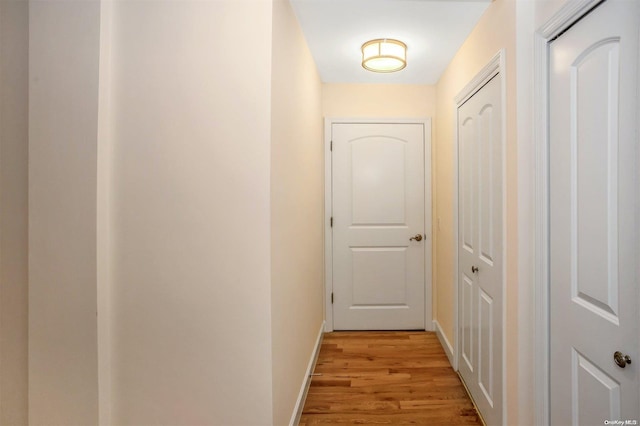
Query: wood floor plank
[385,378]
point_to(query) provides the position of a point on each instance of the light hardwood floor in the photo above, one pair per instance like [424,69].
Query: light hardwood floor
[394,378]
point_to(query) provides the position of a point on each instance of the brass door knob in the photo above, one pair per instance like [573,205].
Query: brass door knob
[417,237]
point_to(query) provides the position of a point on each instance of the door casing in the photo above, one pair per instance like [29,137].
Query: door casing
[495,67]
[328,209]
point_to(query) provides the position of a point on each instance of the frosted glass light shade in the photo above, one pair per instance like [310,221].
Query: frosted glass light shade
[384,55]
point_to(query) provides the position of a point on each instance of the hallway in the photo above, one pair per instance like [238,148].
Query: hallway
[385,378]
[169,240]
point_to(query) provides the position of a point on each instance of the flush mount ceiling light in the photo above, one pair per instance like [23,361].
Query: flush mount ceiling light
[384,55]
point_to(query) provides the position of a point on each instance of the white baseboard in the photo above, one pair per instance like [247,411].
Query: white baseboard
[302,396]
[448,348]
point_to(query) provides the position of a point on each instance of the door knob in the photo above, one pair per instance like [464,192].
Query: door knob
[474,269]
[417,237]
[621,360]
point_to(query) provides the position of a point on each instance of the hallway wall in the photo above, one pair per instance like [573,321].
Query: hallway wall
[191,292]
[297,210]
[496,30]
[63,128]
[346,100]
[14,129]
[171,176]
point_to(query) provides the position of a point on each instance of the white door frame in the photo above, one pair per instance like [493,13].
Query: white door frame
[328,212]
[494,67]
[568,15]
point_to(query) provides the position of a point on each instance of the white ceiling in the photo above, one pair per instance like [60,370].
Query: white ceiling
[433,30]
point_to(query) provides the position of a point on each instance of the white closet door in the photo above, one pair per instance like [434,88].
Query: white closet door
[480,248]
[593,234]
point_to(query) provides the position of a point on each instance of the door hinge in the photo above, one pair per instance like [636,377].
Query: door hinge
[331,222]
[332,298]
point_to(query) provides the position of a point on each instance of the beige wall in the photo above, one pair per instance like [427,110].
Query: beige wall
[378,100]
[191,214]
[63,101]
[209,168]
[495,30]
[296,210]
[14,94]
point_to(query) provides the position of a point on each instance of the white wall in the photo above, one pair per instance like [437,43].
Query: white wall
[191,214]
[526,164]
[171,177]
[14,67]
[297,193]
[63,101]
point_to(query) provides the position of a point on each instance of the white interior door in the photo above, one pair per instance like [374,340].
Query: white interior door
[378,206]
[593,228]
[480,258]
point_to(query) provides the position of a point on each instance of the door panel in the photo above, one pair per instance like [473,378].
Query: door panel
[598,395]
[378,192]
[480,246]
[468,182]
[379,276]
[486,182]
[467,320]
[485,346]
[378,204]
[593,165]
